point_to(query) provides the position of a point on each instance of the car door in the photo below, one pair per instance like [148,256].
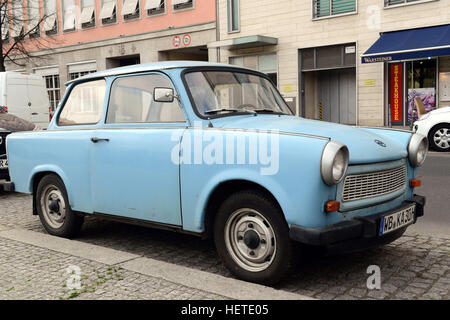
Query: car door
[133,173]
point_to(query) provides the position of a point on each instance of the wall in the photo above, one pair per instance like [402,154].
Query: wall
[291,22]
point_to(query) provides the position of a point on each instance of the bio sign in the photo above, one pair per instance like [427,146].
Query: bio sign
[396,91]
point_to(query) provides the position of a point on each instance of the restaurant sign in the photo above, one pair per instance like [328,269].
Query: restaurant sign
[396,92]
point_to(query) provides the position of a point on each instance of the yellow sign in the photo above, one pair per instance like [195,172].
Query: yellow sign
[369,83]
[287,88]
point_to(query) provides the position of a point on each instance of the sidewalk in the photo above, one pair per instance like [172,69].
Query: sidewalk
[39,266]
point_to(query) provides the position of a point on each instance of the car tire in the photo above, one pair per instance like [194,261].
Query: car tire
[252,238]
[439,137]
[52,205]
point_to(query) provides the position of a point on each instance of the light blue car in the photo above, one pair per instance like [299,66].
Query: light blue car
[213,150]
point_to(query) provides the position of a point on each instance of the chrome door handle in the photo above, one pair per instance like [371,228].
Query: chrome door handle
[95,139]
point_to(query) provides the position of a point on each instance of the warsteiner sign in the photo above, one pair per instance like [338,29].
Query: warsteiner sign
[396,92]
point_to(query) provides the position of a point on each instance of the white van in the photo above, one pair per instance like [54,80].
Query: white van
[25,96]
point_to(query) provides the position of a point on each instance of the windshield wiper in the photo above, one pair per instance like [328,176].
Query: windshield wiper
[213,111]
[265,110]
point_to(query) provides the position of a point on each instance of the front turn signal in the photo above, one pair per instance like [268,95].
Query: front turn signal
[332,206]
[413,183]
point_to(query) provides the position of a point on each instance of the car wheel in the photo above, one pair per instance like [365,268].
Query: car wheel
[439,137]
[53,207]
[252,238]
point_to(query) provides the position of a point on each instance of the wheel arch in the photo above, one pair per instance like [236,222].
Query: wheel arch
[225,189]
[36,178]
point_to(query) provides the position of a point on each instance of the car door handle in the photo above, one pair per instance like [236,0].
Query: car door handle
[95,139]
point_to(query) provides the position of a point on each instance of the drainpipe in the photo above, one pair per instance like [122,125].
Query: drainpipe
[217,30]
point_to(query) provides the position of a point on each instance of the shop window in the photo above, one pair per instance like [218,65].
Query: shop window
[155,7]
[87,16]
[130,9]
[422,79]
[324,8]
[182,4]
[50,23]
[108,14]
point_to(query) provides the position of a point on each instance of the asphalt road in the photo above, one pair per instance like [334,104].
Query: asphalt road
[435,176]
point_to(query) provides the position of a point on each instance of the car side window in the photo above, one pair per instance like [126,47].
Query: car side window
[84,104]
[131,101]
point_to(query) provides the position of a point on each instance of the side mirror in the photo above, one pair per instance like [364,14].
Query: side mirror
[163,95]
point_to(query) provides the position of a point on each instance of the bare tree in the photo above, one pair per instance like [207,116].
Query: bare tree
[20,25]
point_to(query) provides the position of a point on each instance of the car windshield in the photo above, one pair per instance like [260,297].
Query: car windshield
[233,92]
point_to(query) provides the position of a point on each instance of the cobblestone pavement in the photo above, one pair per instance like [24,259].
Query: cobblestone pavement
[413,267]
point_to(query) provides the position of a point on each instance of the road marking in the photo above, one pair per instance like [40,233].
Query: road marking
[193,278]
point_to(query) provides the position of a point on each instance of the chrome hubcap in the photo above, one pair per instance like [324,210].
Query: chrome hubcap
[442,138]
[53,206]
[250,240]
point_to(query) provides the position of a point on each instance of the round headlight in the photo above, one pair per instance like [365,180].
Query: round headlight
[334,162]
[417,150]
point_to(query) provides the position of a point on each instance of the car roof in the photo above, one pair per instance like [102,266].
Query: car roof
[151,67]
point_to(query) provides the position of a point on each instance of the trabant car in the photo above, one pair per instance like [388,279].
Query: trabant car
[213,150]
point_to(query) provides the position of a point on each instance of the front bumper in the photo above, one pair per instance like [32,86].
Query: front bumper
[355,234]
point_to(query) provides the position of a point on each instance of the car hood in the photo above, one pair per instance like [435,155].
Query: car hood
[440,110]
[361,142]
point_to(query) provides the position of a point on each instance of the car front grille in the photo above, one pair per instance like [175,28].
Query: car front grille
[373,184]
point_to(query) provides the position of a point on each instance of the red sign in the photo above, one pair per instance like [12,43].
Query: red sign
[396,91]
[186,39]
[176,41]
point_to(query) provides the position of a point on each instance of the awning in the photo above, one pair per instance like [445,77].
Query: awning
[410,44]
[244,42]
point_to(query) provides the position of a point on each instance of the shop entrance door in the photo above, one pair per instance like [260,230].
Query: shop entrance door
[337,95]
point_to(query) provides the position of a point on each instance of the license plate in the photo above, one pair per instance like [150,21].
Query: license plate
[397,220]
[4,164]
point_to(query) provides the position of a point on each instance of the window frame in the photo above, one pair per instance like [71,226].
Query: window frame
[37,33]
[55,30]
[127,124]
[132,18]
[183,9]
[66,98]
[225,69]
[230,16]
[82,2]
[331,15]
[156,14]
[406,3]
[116,20]
[63,16]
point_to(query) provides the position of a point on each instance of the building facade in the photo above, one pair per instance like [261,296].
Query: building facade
[315,51]
[83,36]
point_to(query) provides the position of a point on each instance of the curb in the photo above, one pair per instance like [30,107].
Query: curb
[193,278]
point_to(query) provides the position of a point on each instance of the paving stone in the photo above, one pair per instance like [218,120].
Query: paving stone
[412,267]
